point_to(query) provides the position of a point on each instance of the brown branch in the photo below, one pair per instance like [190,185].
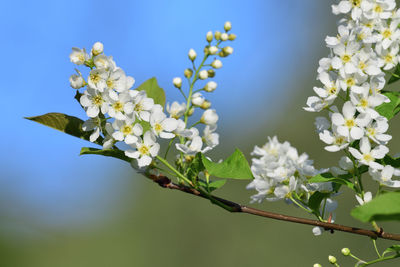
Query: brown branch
[165,182]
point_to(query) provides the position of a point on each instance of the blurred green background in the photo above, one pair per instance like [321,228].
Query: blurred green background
[58,209]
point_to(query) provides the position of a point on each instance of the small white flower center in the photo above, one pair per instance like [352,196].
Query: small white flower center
[97,100]
[118,106]
[126,129]
[144,150]
[350,123]
[368,158]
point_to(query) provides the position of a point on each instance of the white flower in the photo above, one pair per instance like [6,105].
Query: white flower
[181,129]
[177,81]
[384,176]
[192,146]
[192,54]
[120,104]
[216,64]
[210,138]
[104,62]
[210,86]
[97,48]
[379,9]
[367,198]
[389,56]
[347,124]
[161,125]
[368,156]
[209,117]
[224,36]
[142,105]
[376,131]
[78,56]
[366,102]
[94,101]
[76,81]
[146,149]
[127,131]
[334,140]
[355,6]
[198,99]
[90,125]
[203,75]
[176,110]
[97,79]
[367,62]
[388,34]
[117,80]
[344,58]
[316,104]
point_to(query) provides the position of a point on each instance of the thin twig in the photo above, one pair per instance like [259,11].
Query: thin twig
[165,182]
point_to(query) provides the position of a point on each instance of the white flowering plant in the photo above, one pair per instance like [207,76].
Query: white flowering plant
[130,123]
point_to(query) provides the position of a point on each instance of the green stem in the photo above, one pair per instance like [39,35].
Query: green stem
[299,205]
[376,248]
[169,146]
[178,174]
[356,258]
[381,259]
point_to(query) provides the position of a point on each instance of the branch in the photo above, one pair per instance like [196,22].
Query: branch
[165,182]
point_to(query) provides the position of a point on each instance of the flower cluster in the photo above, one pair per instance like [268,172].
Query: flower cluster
[281,172]
[119,113]
[366,46]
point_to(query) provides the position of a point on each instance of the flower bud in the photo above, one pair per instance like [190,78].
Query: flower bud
[203,74]
[188,73]
[97,48]
[197,99]
[228,26]
[209,36]
[206,104]
[76,81]
[209,117]
[206,51]
[232,37]
[192,54]
[212,50]
[191,111]
[216,64]
[332,259]
[224,36]
[345,251]
[177,81]
[227,50]
[217,35]
[211,73]
[317,265]
[210,86]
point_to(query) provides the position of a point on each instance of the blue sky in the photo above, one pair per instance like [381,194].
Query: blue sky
[41,173]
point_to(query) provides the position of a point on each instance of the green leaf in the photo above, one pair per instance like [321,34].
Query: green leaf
[315,200]
[215,185]
[328,177]
[115,153]
[394,248]
[388,160]
[389,110]
[395,76]
[234,167]
[153,90]
[385,207]
[65,123]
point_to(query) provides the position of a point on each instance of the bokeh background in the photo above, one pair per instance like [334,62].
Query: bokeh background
[60,209]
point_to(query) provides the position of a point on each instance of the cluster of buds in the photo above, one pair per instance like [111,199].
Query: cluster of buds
[366,47]
[189,146]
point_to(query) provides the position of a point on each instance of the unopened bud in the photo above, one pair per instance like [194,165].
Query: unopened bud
[210,86]
[216,64]
[206,51]
[206,104]
[203,75]
[97,48]
[192,54]
[228,26]
[317,265]
[217,35]
[76,81]
[345,251]
[191,111]
[332,259]
[211,73]
[209,36]
[188,73]
[232,36]
[209,117]
[227,50]
[224,36]
[198,99]
[177,81]
[212,50]
[188,158]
